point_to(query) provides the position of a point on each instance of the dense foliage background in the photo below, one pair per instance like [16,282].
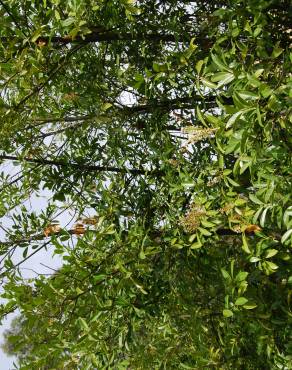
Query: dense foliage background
[163,129]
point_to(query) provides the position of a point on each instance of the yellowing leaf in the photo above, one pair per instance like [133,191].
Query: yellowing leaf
[90,220]
[250,229]
[78,229]
[52,229]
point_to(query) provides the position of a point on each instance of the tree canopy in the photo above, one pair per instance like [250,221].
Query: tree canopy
[161,131]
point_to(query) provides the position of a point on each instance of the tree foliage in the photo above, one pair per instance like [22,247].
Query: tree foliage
[165,129]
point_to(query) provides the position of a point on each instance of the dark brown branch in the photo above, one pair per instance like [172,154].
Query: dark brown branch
[187,102]
[157,233]
[105,35]
[83,167]
[34,238]
[108,36]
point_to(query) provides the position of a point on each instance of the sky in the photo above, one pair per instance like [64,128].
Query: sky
[42,257]
[33,263]
[6,363]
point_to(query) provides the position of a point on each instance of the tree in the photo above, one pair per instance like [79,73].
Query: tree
[164,127]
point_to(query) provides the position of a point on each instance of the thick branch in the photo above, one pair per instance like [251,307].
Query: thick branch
[185,102]
[104,35]
[107,36]
[156,233]
[83,167]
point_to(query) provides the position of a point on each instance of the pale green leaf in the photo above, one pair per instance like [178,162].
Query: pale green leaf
[241,301]
[286,235]
[227,313]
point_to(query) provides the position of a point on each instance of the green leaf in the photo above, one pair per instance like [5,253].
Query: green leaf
[207,223]
[254,259]
[254,199]
[241,301]
[57,15]
[259,116]
[287,215]
[192,238]
[156,67]
[245,246]
[246,95]
[79,291]
[227,313]
[224,78]
[250,306]
[208,83]
[83,324]
[218,62]
[142,254]
[271,253]
[99,277]
[257,31]
[232,146]
[271,265]
[106,106]
[241,276]
[277,51]
[256,215]
[286,236]
[204,231]
[200,116]
[199,66]
[235,116]
[240,202]
[225,274]
[263,216]
[196,245]
[67,22]
[232,182]
[36,34]
[259,72]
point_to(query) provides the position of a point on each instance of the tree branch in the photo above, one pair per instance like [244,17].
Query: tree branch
[83,167]
[105,35]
